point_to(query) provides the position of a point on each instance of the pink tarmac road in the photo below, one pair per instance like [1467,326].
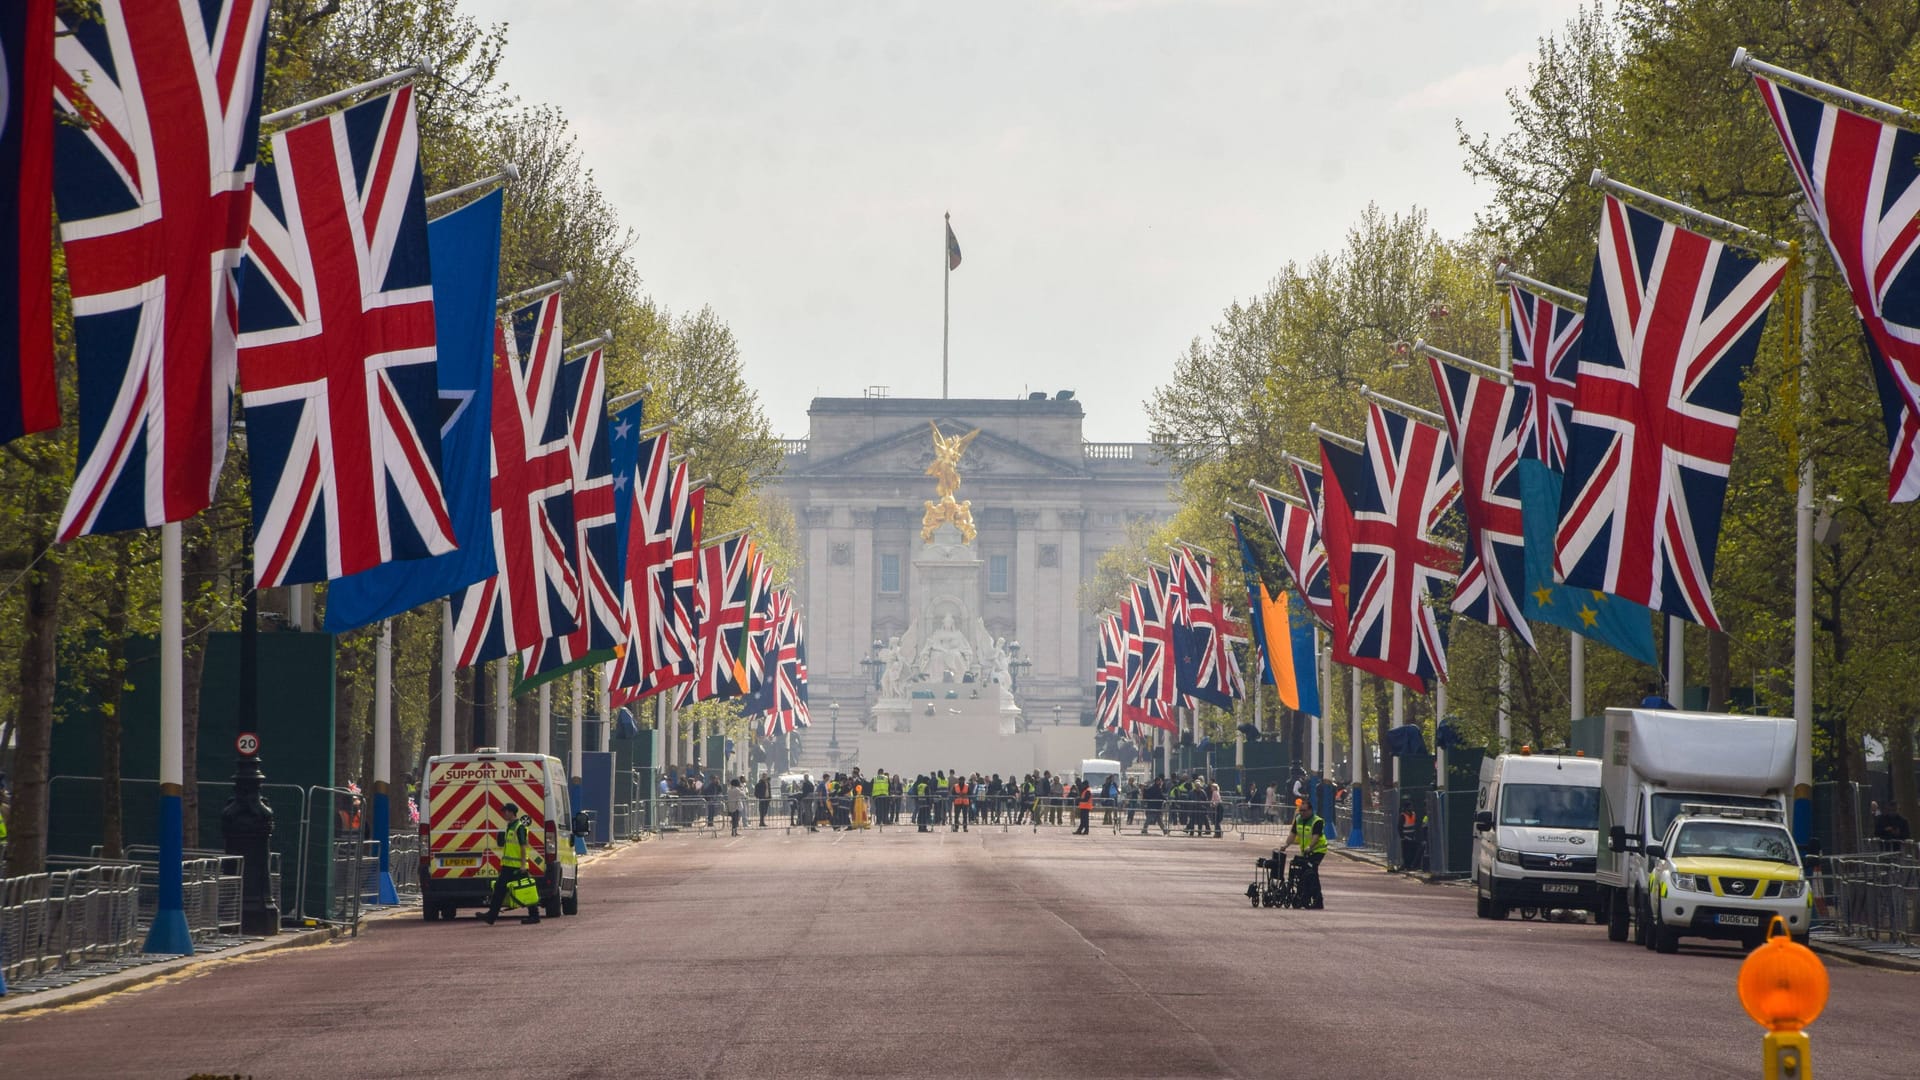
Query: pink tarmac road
[982,954]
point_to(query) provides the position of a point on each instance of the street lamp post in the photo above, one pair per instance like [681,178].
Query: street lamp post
[1016,664]
[833,737]
[876,667]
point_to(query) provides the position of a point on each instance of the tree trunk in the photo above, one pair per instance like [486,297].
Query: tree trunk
[27,819]
[1719,670]
[110,693]
[1900,766]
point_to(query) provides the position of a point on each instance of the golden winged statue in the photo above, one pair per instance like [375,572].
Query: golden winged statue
[945,471]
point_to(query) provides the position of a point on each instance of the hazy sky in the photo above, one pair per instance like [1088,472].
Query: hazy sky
[1118,170]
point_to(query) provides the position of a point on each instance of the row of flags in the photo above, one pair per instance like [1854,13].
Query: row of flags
[1584,487]
[1171,645]
[405,441]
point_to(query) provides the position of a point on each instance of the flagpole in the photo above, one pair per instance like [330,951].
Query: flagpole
[1803,562]
[577,744]
[546,718]
[946,302]
[384,892]
[169,933]
[502,701]
[1356,765]
[1323,682]
[1399,720]
[447,664]
[1676,660]
[1577,675]
[1503,712]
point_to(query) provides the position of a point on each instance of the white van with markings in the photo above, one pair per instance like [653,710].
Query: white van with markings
[1536,834]
[469,799]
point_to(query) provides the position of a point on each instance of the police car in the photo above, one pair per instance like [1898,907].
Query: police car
[1724,872]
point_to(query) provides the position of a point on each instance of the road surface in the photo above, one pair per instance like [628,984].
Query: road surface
[986,954]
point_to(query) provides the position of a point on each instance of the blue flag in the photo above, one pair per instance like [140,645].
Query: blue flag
[1600,617]
[1282,631]
[465,250]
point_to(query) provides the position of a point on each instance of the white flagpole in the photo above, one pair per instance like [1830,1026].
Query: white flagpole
[384,892]
[1577,675]
[1399,719]
[546,718]
[447,711]
[502,700]
[946,301]
[576,746]
[1323,680]
[169,933]
[1356,765]
[1676,661]
[1503,712]
[1439,752]
[1803,565]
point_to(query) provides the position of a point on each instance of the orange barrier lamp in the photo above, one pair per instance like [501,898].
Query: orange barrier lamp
[1783,986]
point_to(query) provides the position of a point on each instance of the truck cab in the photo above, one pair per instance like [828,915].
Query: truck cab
[1724,872]
[1536,834]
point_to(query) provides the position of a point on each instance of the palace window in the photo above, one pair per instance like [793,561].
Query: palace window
[997,575]
[889,573]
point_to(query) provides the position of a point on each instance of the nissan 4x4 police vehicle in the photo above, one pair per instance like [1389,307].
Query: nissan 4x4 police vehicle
[1725,872]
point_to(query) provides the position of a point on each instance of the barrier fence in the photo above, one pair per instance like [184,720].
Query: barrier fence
[1873,895]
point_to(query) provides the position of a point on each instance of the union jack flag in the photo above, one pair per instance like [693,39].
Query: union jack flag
[1344,471]
[1112,669]
[1546,358]
[1145,702]
[1484,420]
[596,544]
[764,627]
[337,350]
[536,594]
[646,595]
[721,596]
[152,183]
[683,644]
[1207,668]
[1298,537]
[789,680]
[1400,571]
[1864,190]
[1673,322]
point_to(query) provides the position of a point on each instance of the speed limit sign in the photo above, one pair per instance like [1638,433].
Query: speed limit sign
[248,744]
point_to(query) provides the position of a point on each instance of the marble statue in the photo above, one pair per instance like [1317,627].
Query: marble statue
[893,675]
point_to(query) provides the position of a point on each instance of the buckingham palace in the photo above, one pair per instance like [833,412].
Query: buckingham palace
[1045,502]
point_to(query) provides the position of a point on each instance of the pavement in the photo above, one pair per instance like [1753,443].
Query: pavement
[999,953]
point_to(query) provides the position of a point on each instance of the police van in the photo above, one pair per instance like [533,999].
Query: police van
[469,799]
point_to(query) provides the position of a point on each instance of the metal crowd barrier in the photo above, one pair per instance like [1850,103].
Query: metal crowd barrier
[68,917]
[211,885]
[1874,895]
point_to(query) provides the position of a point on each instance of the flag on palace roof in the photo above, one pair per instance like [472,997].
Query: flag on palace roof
[336,350]
[536,594]
[465,248]
[29,401]
[1863,188]
[1674,320]
[152,179]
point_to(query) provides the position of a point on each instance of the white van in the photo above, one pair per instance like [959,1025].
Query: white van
[469,799]
[1097,771]
[1536,834]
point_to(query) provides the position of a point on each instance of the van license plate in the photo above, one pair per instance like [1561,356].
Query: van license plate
[1737,920]
[459,860]
[1560,887]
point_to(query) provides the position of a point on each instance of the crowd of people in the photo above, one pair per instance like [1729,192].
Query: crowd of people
[1188,803]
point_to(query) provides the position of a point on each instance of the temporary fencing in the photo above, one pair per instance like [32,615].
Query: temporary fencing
[1873,896]
[73,914]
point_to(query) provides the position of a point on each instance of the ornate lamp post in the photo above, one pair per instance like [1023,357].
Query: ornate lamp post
[875,666]
[1016,664]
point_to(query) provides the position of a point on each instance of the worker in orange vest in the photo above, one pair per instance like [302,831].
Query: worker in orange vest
[962,803]
[1084,795]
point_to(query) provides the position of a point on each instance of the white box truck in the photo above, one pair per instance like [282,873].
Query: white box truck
[1536,834]
[1655,762]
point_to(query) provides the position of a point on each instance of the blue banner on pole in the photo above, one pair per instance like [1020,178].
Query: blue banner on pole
[1609,620]
[465,249]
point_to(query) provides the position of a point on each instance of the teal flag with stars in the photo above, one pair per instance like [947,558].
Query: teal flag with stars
[1597,616]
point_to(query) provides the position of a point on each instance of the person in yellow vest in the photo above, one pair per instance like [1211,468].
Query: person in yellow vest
[1310,831]
[1084,800]
[517,860]
[882,800]
[962,803]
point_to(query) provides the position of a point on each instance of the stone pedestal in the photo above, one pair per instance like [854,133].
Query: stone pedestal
[892,715]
